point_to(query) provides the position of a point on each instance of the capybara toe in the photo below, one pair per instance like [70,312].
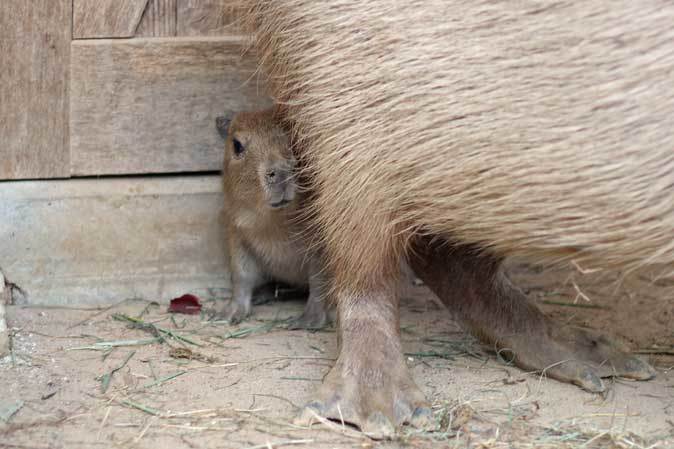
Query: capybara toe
[375,425]
[578,356]
[308,321]
[378,426]
[233,313]
[310,414]
[608,357]
[633,368]
[378,412]
[590,381]
[571,370]
[422,418]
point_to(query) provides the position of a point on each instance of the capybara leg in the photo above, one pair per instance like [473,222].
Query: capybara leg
[245,276]
[315,314]
[240,306]
[474,286]
[370,385]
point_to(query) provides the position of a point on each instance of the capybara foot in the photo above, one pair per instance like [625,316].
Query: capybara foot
[234,312]
[377,399]
[574,355]
[309,321]
[474,286]
[314,316]
[370,385]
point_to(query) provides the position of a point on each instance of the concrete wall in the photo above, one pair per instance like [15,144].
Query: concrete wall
[99,241]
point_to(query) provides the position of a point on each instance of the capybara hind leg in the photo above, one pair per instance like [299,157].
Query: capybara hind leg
[316,312]
[474,286]
[370,385]
[314,316]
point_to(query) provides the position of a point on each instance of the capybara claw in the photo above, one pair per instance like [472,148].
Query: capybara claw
[591,382]
[585,357]
[377,414]
[635,369]
[309,414]
[378,427]
[234,313]
[308,322]
[422,418]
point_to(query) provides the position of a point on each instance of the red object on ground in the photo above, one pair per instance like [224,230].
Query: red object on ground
[187,304]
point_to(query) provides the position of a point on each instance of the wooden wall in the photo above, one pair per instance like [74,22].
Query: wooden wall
[109,87]
[116,87]
[34,70]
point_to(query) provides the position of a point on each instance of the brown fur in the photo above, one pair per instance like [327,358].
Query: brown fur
[263,204]
[533,129]
[461,132]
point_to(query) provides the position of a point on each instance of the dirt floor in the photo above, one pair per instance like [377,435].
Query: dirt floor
[194,383]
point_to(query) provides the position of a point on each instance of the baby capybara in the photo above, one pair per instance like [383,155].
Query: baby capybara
[265,232]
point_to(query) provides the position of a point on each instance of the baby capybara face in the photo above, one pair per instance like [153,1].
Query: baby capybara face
[258,162]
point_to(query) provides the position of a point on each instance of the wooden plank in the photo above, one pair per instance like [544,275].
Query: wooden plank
[100,241]
[106,18]
[206,18]
[34,49]
[159,19]
[149,105]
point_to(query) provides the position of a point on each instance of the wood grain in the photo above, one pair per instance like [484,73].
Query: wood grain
[106,18]
[206,18]
[34,54]
[149,105]
[159,19]
[80,241]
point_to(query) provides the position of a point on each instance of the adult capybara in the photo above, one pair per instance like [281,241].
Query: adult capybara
[461,132]
[266,236]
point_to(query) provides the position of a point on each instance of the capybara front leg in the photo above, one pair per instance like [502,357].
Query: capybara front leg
[474,286]
[245,276]
[370,385]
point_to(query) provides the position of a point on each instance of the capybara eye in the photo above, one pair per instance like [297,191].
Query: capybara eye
[238,147]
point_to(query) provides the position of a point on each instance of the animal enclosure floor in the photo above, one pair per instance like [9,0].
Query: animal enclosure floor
[211,385]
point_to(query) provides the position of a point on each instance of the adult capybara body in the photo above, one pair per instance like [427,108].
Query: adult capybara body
[534,128]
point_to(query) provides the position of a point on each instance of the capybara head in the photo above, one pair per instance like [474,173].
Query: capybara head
[258,164]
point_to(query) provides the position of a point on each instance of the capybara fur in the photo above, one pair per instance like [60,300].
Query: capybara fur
[459,132]
[541,129]
[265,233]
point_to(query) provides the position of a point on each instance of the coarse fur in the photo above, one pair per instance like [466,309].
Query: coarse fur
[263,203]
[460,132]
[538,129]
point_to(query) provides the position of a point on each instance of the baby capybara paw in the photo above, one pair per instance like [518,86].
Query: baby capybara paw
[378,408]
[234,312]
[308,322]
[311,319]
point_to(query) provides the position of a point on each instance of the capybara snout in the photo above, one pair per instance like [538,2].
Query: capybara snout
[278,181]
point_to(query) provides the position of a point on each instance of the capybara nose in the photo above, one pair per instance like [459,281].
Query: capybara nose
[276,175]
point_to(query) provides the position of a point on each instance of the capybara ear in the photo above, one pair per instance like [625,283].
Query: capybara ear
[222,124]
